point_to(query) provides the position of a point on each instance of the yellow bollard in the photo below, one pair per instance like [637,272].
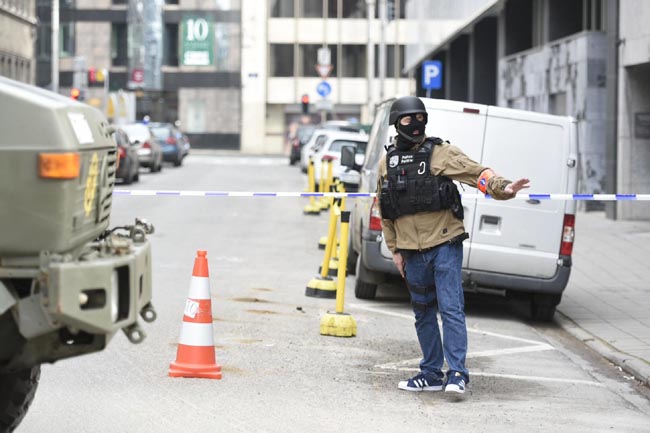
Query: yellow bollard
[326,173]
[340,324]
[312,208]
[324,286]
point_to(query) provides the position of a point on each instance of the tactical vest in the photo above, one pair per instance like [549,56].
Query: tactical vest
[410,188]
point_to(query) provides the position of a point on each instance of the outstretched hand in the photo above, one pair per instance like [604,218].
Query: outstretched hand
[518,185]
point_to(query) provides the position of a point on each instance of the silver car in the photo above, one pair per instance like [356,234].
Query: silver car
[149,151]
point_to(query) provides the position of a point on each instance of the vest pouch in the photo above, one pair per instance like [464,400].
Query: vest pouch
[387,203]
[429,192]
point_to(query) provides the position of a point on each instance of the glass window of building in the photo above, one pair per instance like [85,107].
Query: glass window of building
[311,8]
[353,9]
[66,39]
[353,61]
[119,53]
[170,42]
[394,66]
[227,47]
[281,60]
[309,60]
[282,8]
[394,9]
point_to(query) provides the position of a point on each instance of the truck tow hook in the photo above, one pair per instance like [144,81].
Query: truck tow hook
[148,314]
[134,333]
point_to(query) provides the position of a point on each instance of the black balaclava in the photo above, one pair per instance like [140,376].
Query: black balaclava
[411,134]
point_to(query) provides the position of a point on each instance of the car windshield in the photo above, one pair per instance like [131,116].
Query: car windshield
[136,132]
[160,132]
[338,144]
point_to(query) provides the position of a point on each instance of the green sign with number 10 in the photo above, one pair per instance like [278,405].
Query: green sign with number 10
[197,42]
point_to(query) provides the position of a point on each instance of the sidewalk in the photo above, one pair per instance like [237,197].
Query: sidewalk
[607,301]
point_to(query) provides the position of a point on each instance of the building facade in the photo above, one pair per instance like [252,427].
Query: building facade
[180,58]
[281,40]
[540,55]
[17,35]
[632,155]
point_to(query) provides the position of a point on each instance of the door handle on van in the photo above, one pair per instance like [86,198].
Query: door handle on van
[488,219]
[533,201]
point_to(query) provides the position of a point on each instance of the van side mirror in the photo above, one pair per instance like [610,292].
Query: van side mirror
[347,156]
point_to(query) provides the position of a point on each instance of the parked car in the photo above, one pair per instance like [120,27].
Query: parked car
[175,145]
[149,151]
[128,166]
[331,146]
[314,141]
[516,248]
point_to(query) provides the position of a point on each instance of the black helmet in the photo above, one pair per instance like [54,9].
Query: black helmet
[406,105]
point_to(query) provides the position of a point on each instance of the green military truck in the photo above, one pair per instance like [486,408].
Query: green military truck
[67,282]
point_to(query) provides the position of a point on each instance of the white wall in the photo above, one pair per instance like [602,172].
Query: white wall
[253,76]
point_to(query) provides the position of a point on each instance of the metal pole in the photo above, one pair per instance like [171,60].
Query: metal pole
[55,46]
[370,68]
[382,48]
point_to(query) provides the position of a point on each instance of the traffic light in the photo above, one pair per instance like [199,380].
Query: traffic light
[75,93]
[305,104]
[92,75]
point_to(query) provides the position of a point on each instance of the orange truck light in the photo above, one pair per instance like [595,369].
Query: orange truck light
[58,165]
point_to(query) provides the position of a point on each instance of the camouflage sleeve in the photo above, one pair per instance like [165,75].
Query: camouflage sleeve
[387,226]
[453,163]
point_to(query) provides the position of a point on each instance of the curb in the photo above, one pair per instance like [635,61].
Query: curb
[632,365]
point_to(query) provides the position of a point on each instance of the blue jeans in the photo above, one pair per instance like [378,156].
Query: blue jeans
[433,275]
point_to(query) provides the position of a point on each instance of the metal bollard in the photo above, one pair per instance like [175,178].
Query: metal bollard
[312,208]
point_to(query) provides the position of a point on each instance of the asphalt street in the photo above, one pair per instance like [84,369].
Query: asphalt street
[279,374]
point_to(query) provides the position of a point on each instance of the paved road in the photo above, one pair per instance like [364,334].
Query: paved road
[279,373]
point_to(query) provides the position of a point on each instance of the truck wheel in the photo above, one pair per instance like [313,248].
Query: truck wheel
[542,307]
[17,394]
[365,286]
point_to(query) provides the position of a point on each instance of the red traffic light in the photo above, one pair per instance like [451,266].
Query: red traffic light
[305,103]
[75,93]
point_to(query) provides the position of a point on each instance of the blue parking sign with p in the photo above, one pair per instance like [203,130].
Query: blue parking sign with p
[432,75]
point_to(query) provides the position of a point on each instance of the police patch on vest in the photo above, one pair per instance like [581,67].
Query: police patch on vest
[393,161]
[407,159]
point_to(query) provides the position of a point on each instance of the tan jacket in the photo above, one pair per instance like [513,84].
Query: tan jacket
[429,229]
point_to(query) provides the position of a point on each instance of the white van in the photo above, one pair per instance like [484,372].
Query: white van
[516,247]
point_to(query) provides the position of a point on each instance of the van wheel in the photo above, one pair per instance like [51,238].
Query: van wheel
[542,307]
[18,391]
[365,286]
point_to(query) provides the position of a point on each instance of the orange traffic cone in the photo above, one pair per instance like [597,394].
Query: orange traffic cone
[195,356]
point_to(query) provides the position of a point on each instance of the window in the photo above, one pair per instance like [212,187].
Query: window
[282,8]
[354,61]
[119,54]
[353,9]
[170,41]
[281,61]
[227,46]
[44,40]
[393,68]
[311,8]
[309,59]
[66,39]
[336,146]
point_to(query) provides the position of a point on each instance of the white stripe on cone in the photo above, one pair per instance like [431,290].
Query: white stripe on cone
[199,288]
[196,334]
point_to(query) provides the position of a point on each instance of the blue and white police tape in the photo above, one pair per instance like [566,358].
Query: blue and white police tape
[565,197]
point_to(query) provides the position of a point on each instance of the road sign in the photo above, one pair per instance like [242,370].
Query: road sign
[324,70]
[324,89]
[432,75]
